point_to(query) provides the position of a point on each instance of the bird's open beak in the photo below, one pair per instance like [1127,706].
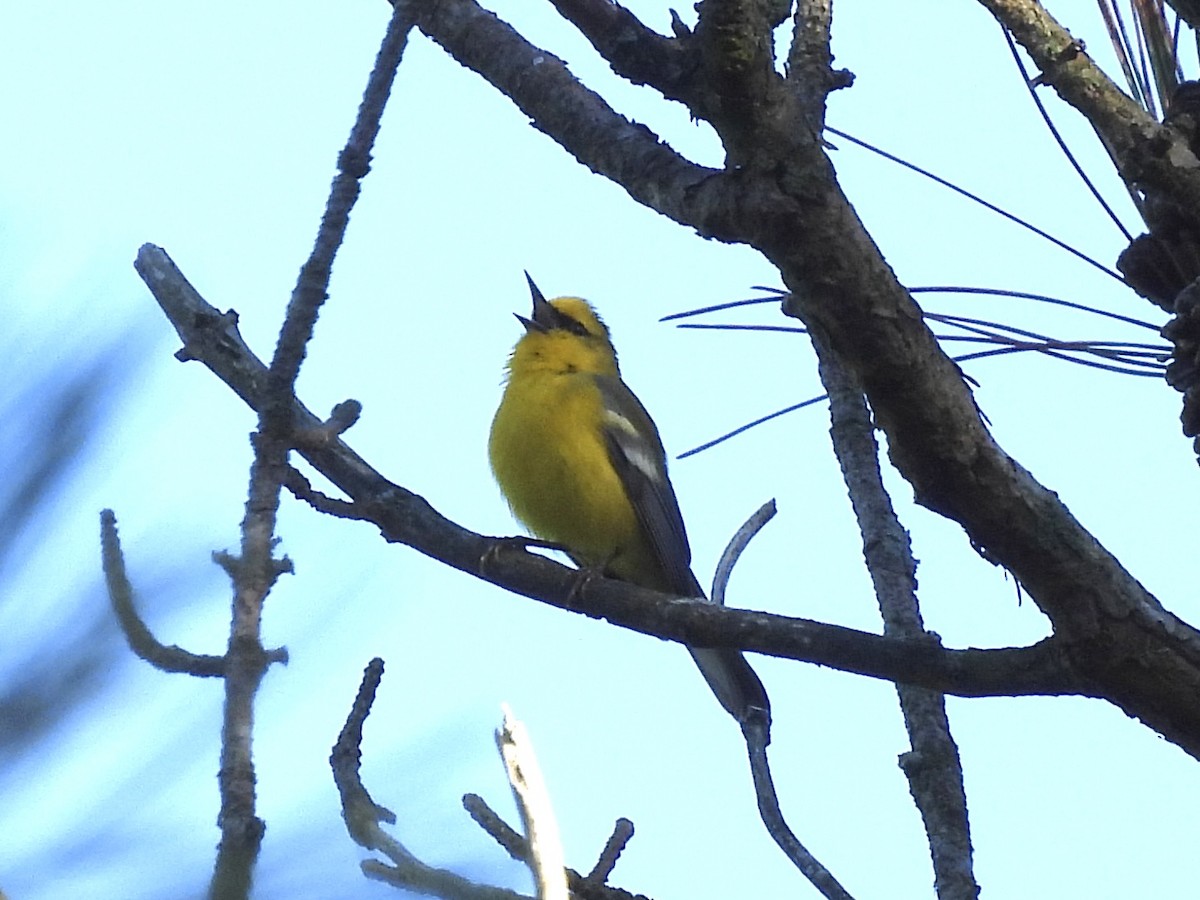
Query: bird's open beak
[542,317]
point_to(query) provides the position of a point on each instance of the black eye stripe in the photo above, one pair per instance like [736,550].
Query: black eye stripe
[569,323]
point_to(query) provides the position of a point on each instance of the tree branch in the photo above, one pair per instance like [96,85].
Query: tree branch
[810,70]
[933,767]
[589,887]
[363,815]
[743,94]
[407,518]
[638,54]
[1147,153]
[838,278]
[542,838]
[613,847]
[756,734]
[578,119]
[141,640]
[254,572]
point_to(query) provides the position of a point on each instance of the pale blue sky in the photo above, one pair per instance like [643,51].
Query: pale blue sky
[213,131]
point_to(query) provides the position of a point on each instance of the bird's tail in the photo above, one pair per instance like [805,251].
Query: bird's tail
[735,684]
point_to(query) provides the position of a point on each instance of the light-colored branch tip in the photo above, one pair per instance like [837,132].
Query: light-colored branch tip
[546,859]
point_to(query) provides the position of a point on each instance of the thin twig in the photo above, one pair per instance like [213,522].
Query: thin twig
[137,633]
[302,489]
[518,848]
[756,729]
[613,848]
[363,815]
[499,830]
[734,549]
[756,735]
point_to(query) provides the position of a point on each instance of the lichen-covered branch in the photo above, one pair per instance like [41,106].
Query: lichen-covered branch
[1147,153]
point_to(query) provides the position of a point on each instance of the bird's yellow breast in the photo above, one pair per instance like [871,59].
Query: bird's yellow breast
[550,459]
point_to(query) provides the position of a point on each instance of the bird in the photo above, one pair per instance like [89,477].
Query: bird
[582,466]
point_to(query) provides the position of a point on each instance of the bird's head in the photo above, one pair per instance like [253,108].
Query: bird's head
[563,335]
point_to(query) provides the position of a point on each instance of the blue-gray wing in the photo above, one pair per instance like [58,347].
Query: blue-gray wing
[637,454]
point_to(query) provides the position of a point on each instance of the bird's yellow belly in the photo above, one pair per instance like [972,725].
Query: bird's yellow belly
[551,461]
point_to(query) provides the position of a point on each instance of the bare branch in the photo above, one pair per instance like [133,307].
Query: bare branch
[736,546]
[363,815]
[744,94]
[141,640]
[1146,152]
[407,518]
[302,489]
[542,839]
[756,729]
[256,569]
[810,62]
[500,831]
[354,162]
[933,767]
[577,118]
[621,834]
[768,808]
[839,279]
[636,53]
